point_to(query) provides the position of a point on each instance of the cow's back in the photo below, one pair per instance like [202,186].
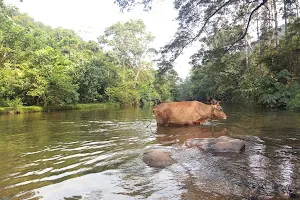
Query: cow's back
[186,112]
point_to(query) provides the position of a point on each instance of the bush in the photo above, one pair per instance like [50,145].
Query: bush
[278,91]
[294,103]
[16,104]
[3,103]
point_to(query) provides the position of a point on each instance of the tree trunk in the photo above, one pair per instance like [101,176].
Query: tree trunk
[259,43]
[297,8]
[285,17]
[247,54]
[276,23]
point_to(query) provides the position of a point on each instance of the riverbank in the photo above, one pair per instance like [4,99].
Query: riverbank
[32,109]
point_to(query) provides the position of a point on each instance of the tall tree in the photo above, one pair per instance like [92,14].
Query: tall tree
[199,18]
[130,41]
[275,22]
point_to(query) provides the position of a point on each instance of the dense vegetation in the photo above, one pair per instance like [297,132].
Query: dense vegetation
[234,62]
[264,71]
[43,66]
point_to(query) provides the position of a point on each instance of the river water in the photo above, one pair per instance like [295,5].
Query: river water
[98,155]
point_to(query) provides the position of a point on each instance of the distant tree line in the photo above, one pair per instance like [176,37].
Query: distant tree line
[45,66]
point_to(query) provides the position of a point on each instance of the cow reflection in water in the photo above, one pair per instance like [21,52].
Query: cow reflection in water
[178,135]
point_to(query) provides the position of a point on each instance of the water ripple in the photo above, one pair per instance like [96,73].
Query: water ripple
[98,155]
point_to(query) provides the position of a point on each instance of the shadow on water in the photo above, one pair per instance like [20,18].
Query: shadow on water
[97,155]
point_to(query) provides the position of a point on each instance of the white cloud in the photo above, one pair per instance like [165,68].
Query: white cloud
[89,18]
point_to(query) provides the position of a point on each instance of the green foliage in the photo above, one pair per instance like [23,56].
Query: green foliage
[15,103]
[294,103]
[31,109]
[60,90]
[124,90]
[93,78]
[136,83]
[228,66]
[128,40]
[93,106]
[53,68]
[274,91]
[268,75]
[96,106]
[3,103]
[166,85]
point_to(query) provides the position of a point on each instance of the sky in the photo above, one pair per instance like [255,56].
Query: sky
[89,18]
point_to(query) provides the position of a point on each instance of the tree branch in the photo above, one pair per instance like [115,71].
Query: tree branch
[202,29]
[248,23]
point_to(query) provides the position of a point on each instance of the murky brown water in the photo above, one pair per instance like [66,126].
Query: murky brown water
[97,155]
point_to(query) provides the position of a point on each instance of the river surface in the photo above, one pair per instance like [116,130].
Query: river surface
[98,155]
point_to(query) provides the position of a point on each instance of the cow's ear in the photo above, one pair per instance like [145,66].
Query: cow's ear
[217,107]
[213,102]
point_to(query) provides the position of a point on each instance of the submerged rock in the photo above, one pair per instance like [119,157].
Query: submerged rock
[158,158]
[221,144]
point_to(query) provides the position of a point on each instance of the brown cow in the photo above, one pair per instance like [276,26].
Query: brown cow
[187,113]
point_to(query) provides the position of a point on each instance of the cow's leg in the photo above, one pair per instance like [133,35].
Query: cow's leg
[203,121]
[188,123]
[200,121]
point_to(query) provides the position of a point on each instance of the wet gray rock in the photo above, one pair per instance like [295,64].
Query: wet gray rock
[158,158]
[221,144]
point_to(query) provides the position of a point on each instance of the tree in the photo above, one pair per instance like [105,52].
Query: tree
[229,64]
[197,18]
[40,65]
[130,42]
[94,77]
[166,84]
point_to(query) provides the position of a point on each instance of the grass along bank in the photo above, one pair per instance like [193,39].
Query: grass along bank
[32,109]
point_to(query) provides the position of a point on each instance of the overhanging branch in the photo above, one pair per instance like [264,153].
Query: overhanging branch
[202,29]
[248,23]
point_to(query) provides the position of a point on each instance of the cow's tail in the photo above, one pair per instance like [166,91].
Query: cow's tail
[149,124]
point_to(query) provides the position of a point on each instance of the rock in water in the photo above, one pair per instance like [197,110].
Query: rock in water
[158,158]
[221,144]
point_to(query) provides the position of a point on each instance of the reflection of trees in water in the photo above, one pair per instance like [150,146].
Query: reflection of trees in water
[258,162]
[271,171]
[74,140]
[45,148]
[288,175]
[259,180]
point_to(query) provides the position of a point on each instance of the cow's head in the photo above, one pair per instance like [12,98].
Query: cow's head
[218,110]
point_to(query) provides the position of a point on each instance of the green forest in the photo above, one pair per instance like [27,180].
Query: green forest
[44,66]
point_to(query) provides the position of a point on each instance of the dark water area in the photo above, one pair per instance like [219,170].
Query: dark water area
[98,155]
